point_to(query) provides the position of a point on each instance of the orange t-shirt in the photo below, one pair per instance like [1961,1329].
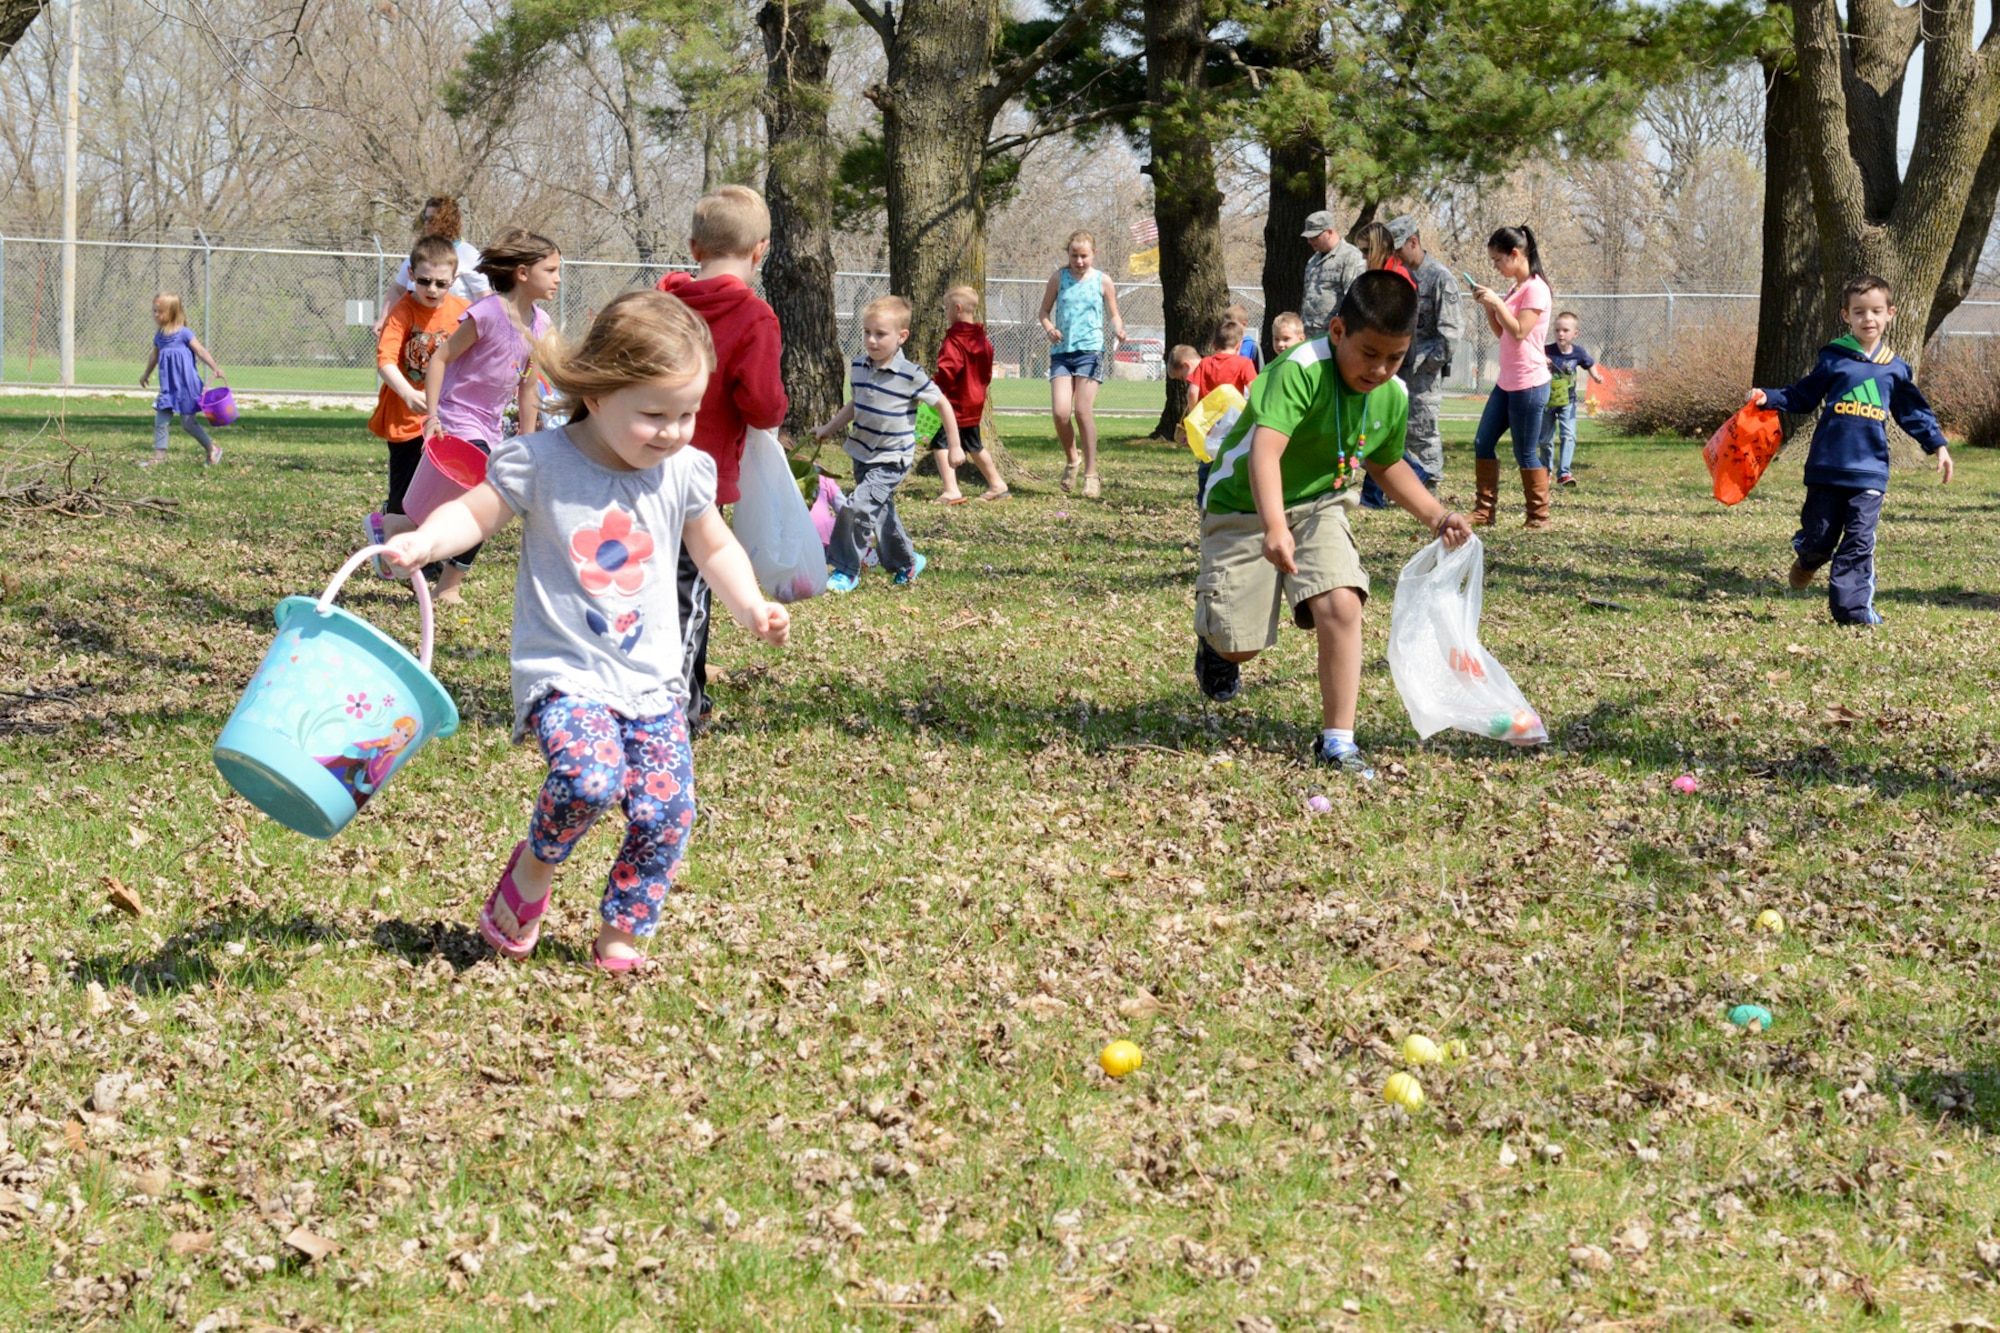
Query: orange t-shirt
[410,336]
[1222,368]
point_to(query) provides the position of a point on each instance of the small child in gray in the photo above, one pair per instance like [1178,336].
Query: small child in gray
[883,411]
[606,503]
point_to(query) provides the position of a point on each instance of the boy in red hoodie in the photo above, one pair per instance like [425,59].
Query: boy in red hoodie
[731,232]
[964,369]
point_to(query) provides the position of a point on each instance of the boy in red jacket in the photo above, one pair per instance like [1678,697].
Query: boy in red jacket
[731,232]
[964,369]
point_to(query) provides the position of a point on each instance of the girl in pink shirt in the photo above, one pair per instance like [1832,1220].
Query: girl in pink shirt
[1519,320]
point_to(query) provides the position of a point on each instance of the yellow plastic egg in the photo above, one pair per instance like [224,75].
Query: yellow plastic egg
[1120,1058]
[1421,1050]
[1404,1091]
[1770,921]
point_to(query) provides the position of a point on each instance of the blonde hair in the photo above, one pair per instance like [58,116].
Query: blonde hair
[1289,322]
[1081,235]
[961,298]
[730,221]
[894,308]
[1182,355]
[1375,243]
[432,249]
[174,317]
[639,337]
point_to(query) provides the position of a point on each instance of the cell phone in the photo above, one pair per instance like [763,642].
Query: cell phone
[1470,281]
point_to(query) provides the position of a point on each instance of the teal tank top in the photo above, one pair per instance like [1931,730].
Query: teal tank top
[1079,312]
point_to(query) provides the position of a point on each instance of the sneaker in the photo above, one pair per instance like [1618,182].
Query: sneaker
[1798,577]
[1217,675]
[1092,488]
[1565,480]
[1344,755]
[214,454]
[838,582]
[909,576]
[372,526]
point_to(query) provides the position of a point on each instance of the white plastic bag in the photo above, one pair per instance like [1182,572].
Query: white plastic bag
[775,526]
[1445,677]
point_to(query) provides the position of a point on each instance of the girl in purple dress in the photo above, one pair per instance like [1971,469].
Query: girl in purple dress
[175,350]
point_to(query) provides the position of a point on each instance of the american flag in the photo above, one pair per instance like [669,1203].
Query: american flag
[1145,233]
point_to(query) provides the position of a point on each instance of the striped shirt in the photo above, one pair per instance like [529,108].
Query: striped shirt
[885,408]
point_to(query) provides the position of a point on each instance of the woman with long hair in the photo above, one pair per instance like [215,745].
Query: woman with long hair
[1519,320]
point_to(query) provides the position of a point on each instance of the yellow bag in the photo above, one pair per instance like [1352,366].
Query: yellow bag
[1212,419]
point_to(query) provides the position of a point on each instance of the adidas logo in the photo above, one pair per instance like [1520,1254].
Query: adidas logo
[1863,400]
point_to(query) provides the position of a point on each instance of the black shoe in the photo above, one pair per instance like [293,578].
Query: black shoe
[1217,675]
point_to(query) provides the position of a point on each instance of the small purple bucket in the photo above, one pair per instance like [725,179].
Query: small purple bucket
[219,405]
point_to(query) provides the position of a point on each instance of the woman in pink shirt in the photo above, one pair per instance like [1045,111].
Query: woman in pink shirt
[1519,320]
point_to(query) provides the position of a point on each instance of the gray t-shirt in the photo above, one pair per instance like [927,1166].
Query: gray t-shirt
[595,608]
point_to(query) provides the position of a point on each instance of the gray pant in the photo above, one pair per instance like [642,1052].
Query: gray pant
[162,418]
[1424,441]
[871,512]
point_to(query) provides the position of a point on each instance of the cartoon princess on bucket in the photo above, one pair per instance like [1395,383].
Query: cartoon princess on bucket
[363,766]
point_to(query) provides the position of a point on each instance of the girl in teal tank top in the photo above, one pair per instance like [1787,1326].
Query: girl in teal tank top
[1075,306]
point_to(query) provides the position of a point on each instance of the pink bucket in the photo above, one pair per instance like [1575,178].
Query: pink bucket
[219,405]
[450,467]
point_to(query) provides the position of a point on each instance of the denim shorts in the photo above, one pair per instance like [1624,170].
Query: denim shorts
[1083,365]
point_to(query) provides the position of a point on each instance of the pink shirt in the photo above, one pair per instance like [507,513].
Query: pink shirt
[479,385]
[1524,362]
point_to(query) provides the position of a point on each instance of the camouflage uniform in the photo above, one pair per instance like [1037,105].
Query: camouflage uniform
[1328,276]
[1439,327]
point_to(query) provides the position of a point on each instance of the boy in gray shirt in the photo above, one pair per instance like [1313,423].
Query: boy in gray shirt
[887,386]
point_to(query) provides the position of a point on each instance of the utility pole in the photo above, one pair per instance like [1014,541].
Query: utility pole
[68,342]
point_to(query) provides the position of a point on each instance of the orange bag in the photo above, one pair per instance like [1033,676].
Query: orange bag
[1738,453]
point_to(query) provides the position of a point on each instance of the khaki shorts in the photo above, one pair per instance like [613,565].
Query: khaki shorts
[1238,592]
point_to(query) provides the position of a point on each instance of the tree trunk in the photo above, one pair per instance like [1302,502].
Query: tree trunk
[16,17]
[934,131]
[1792,317]
[1187,203]
[1298,189]
[798,185]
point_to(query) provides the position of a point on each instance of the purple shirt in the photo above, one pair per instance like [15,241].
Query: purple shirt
[479,385]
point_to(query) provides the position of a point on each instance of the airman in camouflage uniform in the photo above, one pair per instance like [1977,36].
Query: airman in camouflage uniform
[1332,269]
[1439,326]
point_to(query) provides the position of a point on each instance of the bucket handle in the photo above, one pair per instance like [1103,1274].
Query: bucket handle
[325,604]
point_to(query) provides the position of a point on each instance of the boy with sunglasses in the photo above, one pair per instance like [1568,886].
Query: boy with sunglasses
[418,324]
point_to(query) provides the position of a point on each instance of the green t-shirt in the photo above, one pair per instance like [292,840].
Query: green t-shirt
[1330,427]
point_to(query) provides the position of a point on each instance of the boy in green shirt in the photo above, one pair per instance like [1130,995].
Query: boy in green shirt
[1274,514]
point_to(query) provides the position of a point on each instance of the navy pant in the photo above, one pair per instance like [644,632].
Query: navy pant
[1837,528]
[1519,412]
[1374,497]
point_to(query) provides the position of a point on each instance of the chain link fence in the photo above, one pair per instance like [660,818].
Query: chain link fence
[299,320]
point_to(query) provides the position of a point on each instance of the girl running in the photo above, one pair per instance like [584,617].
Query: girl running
[606,503]
[1075,306]
[491,358]
[175,351]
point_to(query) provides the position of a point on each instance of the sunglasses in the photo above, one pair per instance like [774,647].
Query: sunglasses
[438,284]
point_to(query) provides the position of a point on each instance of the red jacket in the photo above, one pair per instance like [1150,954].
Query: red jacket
[964,369]
[746,388]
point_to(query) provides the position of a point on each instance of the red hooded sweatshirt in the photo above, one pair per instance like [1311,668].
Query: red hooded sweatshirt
[746,389]
[964,369]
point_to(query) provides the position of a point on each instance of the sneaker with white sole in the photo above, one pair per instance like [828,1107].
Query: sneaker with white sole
[1218,677]
[1343,755]
[909,576]
[372,525]
[838,582]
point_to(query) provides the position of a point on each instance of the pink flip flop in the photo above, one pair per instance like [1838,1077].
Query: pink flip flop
[618,966]
[527,914]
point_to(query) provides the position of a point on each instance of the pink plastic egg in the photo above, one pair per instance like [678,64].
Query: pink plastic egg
[1686,785]
[1319,805]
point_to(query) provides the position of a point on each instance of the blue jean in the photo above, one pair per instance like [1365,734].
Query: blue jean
[1559,421]
[1518,411]
[190,422]
[1837,528]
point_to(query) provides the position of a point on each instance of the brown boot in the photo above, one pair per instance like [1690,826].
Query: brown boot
[1535,486]
[1486,491]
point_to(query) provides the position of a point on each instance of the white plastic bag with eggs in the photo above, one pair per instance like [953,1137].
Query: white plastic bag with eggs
[775,526]
[1447,679]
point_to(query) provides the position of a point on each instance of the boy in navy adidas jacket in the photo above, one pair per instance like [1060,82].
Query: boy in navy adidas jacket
[1857,385]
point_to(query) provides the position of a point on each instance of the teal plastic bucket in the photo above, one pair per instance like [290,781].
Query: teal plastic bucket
[334,712]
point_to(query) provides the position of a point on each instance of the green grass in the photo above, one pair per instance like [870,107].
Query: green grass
[954,839]
[116,373]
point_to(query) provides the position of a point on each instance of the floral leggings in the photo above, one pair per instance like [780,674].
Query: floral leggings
[597,758]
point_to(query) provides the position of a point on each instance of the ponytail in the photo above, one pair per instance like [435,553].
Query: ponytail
[1509,239]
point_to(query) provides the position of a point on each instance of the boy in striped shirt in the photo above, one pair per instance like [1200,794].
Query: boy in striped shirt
[882,409]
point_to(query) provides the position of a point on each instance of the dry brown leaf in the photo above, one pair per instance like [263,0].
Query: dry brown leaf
[95,1002]
[123,898]
[1590,1258]
[1143,1005]
[153,1182]
[185,1243]
[313,1247]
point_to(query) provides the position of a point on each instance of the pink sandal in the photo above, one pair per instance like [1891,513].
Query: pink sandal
[617,965]
[526,914]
